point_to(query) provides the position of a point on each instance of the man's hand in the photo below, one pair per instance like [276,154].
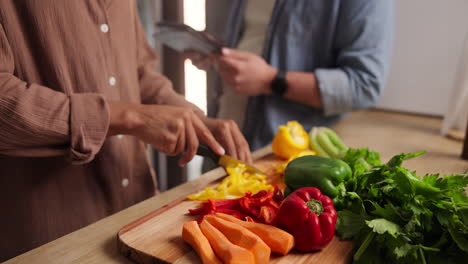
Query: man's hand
[229,135]
[202,61]
[170,129]
[247,73]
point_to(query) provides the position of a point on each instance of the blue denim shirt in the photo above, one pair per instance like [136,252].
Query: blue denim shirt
[345,43]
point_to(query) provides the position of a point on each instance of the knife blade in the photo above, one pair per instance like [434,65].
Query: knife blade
[225,160]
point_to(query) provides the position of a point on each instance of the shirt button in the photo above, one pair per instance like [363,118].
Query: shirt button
[105,28]
[125,182]
[112,81]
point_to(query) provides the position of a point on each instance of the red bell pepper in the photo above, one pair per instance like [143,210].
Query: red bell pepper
[261,207]
[310,217]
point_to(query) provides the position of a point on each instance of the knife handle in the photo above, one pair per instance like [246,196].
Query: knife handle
[205,151]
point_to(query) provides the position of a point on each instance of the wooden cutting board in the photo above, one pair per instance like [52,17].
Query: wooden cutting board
[156,237]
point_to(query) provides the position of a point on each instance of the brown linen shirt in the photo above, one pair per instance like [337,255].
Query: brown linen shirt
[60,60]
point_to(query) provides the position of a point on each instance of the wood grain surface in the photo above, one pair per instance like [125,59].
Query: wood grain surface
[156,237]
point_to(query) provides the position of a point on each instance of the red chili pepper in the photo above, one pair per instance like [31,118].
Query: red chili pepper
[310,217]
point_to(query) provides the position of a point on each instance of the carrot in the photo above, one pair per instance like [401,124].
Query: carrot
[242,237]
[280,241]
[224,249]
[192,234]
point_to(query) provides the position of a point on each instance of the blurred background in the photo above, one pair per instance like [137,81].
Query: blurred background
[429,72]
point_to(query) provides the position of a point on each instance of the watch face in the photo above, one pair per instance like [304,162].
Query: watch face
[279,84]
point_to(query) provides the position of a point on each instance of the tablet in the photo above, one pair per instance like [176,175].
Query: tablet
[182,38]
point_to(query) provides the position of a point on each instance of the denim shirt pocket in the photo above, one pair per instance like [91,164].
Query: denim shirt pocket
[306,29]
[297,19]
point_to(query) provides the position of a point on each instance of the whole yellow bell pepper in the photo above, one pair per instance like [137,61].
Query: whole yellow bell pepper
[290,140]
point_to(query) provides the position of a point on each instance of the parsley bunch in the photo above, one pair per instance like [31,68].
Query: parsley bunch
[394,216]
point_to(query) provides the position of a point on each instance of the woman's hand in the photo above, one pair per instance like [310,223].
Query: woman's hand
[229,135]
[169,129]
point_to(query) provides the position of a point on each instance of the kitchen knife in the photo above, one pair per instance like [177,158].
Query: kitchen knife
[225,160]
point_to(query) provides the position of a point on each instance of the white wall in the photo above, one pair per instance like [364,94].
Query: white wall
[429,38]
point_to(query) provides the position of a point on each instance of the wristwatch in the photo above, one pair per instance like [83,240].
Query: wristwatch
[279,85]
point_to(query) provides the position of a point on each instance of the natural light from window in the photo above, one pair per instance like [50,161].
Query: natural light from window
[195,79]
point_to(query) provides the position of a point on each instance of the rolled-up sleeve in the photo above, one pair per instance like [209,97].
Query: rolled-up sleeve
[36,121]
[364,38]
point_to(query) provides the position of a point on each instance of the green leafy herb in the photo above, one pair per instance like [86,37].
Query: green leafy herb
[382,226]
[394,216]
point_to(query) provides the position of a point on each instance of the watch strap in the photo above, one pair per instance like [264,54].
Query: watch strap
[279,85]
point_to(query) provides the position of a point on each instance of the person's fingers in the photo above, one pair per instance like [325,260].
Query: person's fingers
[237,88]
[229,77]
[225,136]
[204,64]
[191,144]
[235,81]
[243,149]
[231,64]
[236,54]
[205,136]
[237,142]
[180,145]
[217,57]
[248,154]
[227,70]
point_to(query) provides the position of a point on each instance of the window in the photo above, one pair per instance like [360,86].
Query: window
[195,79]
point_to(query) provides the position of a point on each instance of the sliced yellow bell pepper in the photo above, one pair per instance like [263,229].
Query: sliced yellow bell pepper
[235,185]
[290,140]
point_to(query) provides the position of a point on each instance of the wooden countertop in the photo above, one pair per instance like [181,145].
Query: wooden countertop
[385,132]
